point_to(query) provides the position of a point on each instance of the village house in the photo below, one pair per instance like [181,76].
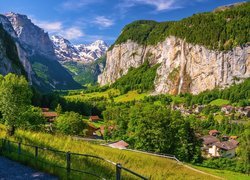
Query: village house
[119,145]
[103,128]
[223,149]
[199,108]
[227,109]
[91,130]
[94,118]
[49,115]
[214,132]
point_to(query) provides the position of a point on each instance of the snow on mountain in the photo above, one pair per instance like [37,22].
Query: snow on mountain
[84,53]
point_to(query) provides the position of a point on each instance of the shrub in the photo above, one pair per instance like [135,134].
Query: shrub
[70,123]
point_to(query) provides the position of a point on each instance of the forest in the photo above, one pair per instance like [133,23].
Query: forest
[220,30]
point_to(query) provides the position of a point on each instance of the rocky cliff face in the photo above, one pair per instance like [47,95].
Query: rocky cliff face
[29,34]
[184,67]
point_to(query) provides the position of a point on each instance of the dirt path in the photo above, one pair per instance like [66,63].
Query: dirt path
[10,170]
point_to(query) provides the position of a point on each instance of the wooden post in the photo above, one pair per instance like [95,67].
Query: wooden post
[8,146]
[19,148]
[36,151]
[68,159]
[118,171]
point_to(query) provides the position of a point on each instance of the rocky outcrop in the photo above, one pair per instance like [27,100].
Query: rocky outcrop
[31,35]
[184,67]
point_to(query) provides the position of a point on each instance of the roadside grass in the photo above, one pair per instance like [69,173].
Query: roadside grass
[130,96]
[219,102]
[96,124]
[146,165]
[229,175]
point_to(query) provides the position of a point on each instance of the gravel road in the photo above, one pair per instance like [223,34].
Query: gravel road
[11,170]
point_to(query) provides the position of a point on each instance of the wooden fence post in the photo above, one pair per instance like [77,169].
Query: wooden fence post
[8,146]
[36,151]
[118,171]
[19,148]
[68,159]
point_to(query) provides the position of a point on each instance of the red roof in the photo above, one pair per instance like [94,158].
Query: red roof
[45,109]
[49,114]
[209,139]
[214,131]
[119,144]
[94,118]
[226,145]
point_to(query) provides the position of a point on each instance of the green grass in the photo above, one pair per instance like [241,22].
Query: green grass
[106,94]
[130,96]
[96,124]
[219,102]
[147,165]
[229,175]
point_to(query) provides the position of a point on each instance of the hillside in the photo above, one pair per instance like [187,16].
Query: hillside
[193,55]
[9,55]
[147,165]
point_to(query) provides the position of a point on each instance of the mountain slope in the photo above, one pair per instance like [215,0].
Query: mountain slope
[38,49]
[9,60]
[84,62]
[201,52]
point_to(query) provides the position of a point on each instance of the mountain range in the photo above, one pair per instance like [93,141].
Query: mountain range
[42,58]
[188,56]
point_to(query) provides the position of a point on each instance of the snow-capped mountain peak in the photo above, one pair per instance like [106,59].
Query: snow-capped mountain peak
[85,53]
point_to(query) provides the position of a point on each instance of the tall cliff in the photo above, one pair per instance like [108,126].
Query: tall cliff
[36,53]
[193,55]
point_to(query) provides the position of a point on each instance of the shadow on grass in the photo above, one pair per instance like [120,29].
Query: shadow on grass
[55,162]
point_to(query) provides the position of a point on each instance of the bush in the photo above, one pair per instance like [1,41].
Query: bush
[70,123]
[32,119]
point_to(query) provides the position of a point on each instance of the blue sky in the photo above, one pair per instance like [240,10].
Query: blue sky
[84,21]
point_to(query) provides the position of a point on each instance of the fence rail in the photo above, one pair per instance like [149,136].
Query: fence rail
[6,147]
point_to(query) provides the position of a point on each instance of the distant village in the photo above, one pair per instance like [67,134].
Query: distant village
[214,144]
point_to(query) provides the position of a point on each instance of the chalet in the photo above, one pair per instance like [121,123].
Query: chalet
[119,145]
[227,109]
[45,109]
[225,138]
[223,149]
[50,116]
[199,108]
[233,137]
[214,132]
[246,111]
[94,118]
[103,128]
[91,130]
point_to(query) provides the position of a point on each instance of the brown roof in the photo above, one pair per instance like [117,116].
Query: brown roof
[49,114]
[209,139]
[214,131]
[45,109]
[226,145]
[92,126]
[94,117]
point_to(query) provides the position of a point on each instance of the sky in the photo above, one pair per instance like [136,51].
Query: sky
[84,21]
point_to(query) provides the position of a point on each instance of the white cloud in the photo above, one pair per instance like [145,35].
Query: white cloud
[103,21]
[72,33]
[76,4]
[49,26]
[159,4]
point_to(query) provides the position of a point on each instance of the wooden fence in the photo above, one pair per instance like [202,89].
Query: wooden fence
[8,146]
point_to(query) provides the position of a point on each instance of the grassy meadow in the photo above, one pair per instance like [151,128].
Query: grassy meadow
[147,165]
